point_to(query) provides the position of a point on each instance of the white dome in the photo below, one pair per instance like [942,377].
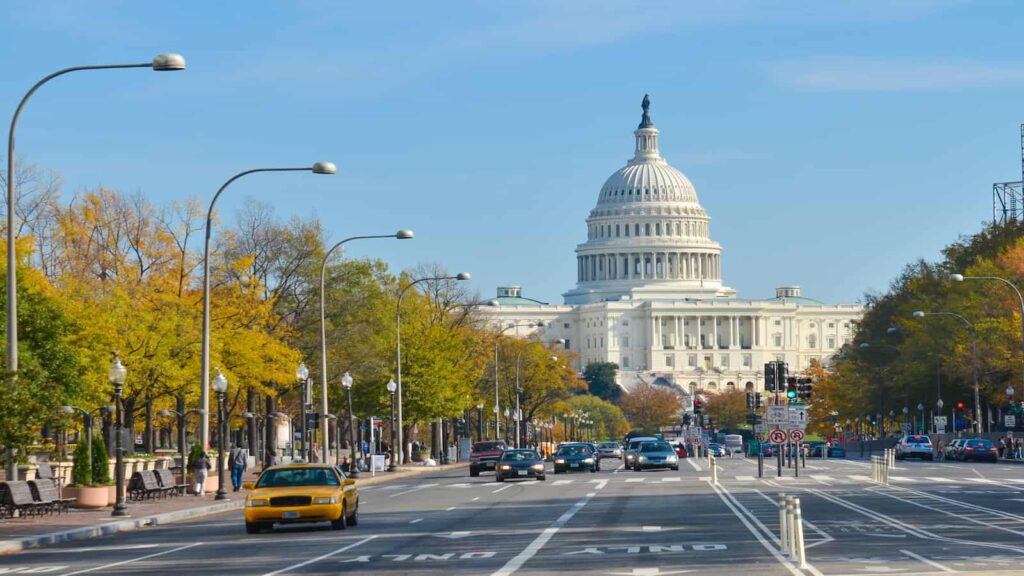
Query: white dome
[649,180]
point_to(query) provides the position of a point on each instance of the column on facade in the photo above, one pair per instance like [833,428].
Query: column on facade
[714,328]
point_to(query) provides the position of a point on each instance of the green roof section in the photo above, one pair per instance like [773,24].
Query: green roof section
[513,296]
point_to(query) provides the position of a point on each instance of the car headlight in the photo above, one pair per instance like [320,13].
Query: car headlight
[560,461]
[671,458]
[256,502]
[642,458]
[538,466]
[325,500]
[588,460]
[506,467]
[629,456]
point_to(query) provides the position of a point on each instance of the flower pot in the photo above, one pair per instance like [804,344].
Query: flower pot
[89,496]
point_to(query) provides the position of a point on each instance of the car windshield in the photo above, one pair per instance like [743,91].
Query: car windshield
[573,451]
[918,440]
[611,445]
[519,456]
[655,447]
[297,477]
[488,446]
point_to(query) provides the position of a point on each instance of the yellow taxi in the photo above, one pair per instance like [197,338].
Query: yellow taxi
[297,493]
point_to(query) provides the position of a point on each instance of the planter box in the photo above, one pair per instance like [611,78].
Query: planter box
[89,496]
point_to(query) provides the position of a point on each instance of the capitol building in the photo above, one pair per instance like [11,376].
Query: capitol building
[650,296]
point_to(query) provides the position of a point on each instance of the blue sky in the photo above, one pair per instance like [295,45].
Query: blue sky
[831,142]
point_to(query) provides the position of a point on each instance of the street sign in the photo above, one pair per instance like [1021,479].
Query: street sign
[758,428]
[796,435]
[777,415]
[941,429]
[1010,421]
[905,428]
[797,417]
[777,436]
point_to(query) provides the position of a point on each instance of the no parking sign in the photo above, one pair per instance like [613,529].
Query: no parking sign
[777,436]
[796,435]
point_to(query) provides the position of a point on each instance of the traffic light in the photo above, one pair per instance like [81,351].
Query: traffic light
[959,405]
[697,407]
[769,376]
[709,425]
[791,388]
[687,419]
[804,388]
[750,401]
[757,401]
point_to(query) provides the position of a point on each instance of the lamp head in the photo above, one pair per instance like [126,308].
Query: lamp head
[1009,390]
[463,276]
[956,277]
[346,381]
[169,62]
[220,383]
[117,373]
[302,372]
[325,168]
[404,235]
[939,403]
[164,413]
[480,406]
[920,406]
[248,415]
[67,409]
[918,314]
[392,386]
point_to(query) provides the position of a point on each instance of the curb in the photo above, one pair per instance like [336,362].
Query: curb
[86,532]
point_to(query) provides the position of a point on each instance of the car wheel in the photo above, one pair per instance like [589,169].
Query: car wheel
[474,473]
[499,478]
[675,468]
[593,470]
[542,477]
[342,522]
[353,520]
[253,527]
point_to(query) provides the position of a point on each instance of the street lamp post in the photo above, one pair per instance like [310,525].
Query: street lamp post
[974,360]
[256,450]
[480,422]
[204,397]
[161,63]
[920,408]
[181,436]
[398,350]
[400,235]
[302,374]
[392,386]
[938,405]
[1020,299]
[220,386]
[117,374]
[346,382]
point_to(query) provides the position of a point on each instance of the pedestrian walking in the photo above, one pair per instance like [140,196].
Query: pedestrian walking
[270,459]
[239,459]
[200,469]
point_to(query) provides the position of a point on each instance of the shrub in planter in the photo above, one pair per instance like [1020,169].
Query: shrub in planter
[81,473]
[100,461]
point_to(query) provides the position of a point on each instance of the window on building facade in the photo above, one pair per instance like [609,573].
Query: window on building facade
[636,229]
[831,324]
[812,341]
[708,360]
[670,360]
[625,322]
[730,386]
[777,340]
[625,341]
[647,229]
[624,361]
[777,322]
[747,359]
[588,343]
[602,341]
[627,229]
[692,386]
[566,326]
[831,342]
[723,360]
[691,360]
[567,346]
[657,229]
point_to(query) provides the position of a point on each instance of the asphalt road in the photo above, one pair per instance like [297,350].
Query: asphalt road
[934,518]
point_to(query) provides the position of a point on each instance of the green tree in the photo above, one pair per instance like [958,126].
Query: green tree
[600,377]
[81,472]
[727,409]
[100,461]
[649,407]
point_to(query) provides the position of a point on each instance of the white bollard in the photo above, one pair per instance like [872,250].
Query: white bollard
[783,529]
[791,528]
[714,471]
[798,533]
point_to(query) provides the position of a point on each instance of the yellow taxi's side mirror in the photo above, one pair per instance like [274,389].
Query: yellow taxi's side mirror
[247,485]
[349,482]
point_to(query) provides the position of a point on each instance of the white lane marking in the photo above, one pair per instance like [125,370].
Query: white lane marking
[938,479]
[927,561]
[475,499]
[393,487]
[600,483]
[561,482]
[321,557]
[506,487]
[516,563]
[123,562]
[420,487]
[449,509]
[650,528]
[727,498]
[693,463]
[99,548]
[671,479]
[415,521]
[635,479]
[745,478]
[822,477]
[860,478]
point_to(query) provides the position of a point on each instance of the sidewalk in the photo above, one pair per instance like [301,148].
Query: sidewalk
[20,533]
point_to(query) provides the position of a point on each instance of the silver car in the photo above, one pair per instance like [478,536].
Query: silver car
[914,446]
[656,454]
[629,455]
[609,450]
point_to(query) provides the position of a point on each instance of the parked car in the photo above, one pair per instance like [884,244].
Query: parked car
[717,450]
[634,443]
[609,450]
[681,450]
[523,464]
[484,456]
[574,458]
[836,451]
[769,449]
[978,449]
[657,454]
[914,446]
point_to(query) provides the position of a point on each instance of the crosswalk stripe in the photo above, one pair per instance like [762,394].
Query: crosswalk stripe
[561,482]
[823,477]
[635,479]
[671,479]
[939,479]
[860,478]
[745,478]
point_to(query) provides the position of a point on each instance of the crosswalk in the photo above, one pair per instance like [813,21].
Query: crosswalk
[728,479]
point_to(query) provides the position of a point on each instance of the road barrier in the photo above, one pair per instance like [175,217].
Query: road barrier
[880,469]
[714,469]
[892,457]
[791,529]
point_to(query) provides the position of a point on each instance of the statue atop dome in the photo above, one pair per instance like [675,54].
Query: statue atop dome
[645,121]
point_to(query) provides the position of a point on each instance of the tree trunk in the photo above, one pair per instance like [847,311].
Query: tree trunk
[128,415]
[270,425]
[148,437]
[250,437]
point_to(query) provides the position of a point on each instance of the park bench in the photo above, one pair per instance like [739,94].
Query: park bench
[16,496]
[43,490]
[144,484]
[45,472]
[166,479]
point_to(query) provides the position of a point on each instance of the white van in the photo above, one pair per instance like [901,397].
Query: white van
[734,442]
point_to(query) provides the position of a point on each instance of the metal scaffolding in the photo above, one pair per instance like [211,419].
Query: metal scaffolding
[1008,197]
